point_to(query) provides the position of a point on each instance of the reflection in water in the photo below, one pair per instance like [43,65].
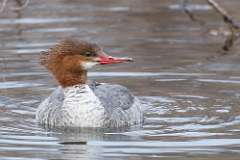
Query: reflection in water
[191,7]
[16,84]
[191,111]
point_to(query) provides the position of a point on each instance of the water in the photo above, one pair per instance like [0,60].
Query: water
[192,104]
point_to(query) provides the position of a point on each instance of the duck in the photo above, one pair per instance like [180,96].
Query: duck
[78,103]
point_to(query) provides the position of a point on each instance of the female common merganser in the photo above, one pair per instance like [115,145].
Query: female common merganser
[75,103]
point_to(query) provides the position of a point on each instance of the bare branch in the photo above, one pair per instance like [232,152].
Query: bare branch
[226,17]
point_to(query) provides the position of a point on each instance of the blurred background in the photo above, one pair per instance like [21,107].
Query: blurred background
[189,84]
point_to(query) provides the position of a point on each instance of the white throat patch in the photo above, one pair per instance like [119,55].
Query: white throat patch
[88,65]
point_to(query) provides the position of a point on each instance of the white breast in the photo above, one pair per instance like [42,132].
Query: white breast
[80,108]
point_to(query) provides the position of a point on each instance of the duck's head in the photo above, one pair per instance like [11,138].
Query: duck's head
[70,59]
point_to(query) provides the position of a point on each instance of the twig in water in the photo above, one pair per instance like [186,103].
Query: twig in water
[3,5]
[233,26]
[189,13]
[22,6]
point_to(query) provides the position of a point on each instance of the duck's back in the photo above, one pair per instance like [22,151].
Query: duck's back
[113,96]
[121,107]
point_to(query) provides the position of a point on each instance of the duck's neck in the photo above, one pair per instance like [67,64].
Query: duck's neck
[76,90]
[69,79]
[81,95]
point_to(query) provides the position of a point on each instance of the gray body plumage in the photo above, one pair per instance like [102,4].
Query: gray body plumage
[113,96]
[104,105]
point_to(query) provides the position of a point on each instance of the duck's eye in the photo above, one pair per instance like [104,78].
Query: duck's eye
[88,54]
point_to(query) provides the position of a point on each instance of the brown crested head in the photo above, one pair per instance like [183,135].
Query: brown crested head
[69,60]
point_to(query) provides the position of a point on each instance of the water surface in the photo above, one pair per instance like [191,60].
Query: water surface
[192,104]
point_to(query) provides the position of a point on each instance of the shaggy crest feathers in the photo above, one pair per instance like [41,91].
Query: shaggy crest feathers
[64,60]
[67,47]
[44,57]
